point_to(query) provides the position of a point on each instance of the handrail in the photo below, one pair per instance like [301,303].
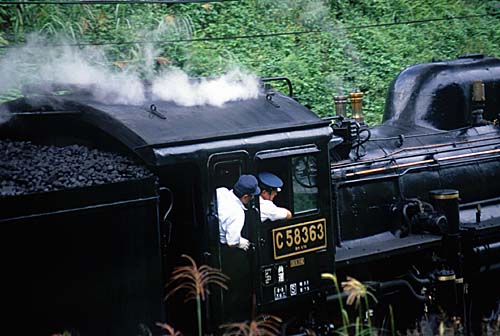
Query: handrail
[286,79]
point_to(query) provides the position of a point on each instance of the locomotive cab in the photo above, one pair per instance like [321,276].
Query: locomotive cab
[284,263]
[287,257]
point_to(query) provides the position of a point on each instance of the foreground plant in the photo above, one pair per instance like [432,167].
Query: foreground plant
[170,330]
[64,333]
[195,280]
[264,325]
[355,292]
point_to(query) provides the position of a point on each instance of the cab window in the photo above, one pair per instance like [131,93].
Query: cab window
[305,188]
[299,193]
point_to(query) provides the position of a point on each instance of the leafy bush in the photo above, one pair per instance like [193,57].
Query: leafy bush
[344,50]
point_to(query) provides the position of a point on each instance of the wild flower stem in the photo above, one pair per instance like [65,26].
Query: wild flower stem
[368,315]
[198,313]
[343,312]
[391,315]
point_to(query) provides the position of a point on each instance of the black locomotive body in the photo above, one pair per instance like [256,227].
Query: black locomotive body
[412,205]
[416,198]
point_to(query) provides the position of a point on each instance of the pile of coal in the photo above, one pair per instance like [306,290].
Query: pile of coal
[29,168]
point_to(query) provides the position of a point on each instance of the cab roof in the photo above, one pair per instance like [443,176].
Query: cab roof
[161,124]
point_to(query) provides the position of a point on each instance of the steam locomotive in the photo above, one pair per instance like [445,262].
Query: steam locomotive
[411,207]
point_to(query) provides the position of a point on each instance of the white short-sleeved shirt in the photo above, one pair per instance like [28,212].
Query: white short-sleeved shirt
[268,210]
[231,212]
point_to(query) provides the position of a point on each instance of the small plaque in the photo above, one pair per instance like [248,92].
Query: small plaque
[297,262]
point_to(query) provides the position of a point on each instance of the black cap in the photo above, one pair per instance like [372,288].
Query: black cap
[246,184]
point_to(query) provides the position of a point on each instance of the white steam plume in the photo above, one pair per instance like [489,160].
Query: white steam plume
[72,67]
[177,87]
[90,69]
[66,65]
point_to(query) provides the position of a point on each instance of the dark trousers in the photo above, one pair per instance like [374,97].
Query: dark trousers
[236,264]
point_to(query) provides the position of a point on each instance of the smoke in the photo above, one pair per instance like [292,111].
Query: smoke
[73,67]
[88,67]
[4,116]
[319,15]
[336,84]
[118,82]
[176,86]
[315,13]
[309,13]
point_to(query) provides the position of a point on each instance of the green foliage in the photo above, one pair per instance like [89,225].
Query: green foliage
[339,56]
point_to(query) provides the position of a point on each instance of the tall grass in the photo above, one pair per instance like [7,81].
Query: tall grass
[263,325]
[169,329]
[357,293]
[195,281]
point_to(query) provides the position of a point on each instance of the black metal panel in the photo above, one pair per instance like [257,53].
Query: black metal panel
[88,263]
[47,203]
[372,249]
[418,183]
[365,209]
[439,94]
[255,143]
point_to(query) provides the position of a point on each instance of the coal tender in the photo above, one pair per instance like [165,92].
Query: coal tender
[28,168]
[118,193]
[78,250]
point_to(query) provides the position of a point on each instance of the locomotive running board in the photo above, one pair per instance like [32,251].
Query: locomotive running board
[354,253]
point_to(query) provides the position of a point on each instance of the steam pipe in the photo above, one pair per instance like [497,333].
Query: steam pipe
[382,288]
[488,256]
[338,236]
[53,112]
[387,286]
[420,281]
[422,162]
[478,95]
[446,201]
[357,106]
[336,297]
[395,175]
[340,105]
[390,156]
[481,202]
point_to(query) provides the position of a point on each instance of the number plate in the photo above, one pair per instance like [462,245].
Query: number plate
[299,238]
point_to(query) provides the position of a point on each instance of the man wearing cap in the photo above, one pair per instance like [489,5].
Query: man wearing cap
[271,186]
[231,210]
